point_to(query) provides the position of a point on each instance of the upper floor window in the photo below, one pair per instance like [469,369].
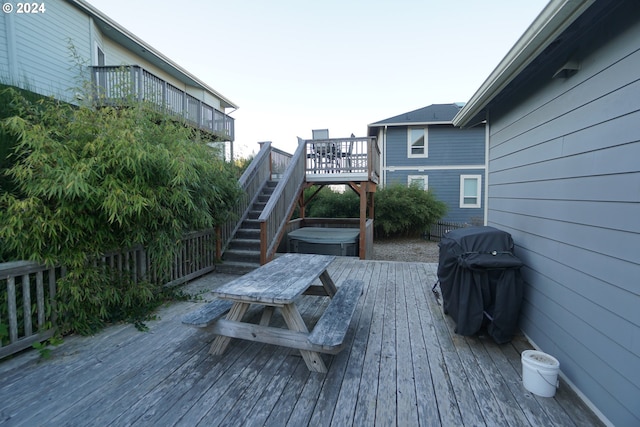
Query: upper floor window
[99,59]
[421,181]
[418,142]
[470,191]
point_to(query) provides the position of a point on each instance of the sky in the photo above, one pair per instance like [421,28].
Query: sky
[297,65]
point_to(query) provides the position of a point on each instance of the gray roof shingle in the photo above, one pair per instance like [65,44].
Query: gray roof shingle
[434,113]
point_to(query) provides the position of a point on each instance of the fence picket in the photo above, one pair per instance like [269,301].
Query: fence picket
[194,258]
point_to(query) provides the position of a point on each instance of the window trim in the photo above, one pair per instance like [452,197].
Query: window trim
[478,204]
[426,143]
[425,178]
[99,50]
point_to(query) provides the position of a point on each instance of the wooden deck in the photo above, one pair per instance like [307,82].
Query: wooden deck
[402,365]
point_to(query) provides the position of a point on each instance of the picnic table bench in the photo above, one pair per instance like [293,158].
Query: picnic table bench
[277,285]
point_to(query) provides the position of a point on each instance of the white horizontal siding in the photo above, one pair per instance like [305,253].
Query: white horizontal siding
[45,62]
[115,54]
[565,182]
[4,52]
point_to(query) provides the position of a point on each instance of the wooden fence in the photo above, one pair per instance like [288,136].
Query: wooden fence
[28,289]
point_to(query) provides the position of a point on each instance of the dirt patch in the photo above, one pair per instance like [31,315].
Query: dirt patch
[405,249]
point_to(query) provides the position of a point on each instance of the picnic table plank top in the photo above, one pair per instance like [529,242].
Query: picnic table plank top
[280,281]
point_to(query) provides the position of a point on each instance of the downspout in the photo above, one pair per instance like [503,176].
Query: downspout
[384,156]
[487,140]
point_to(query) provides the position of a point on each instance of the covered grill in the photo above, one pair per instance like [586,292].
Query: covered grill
[480,281]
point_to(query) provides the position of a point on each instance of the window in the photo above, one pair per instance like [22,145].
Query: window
[417,142]
[421,181]
[99,60]
[470,191]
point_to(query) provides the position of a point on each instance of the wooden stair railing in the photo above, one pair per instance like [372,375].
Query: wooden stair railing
[281,204]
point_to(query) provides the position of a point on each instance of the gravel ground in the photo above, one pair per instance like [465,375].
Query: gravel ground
[406,249]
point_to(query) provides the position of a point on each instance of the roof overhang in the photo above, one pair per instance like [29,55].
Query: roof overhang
[379,125]
[124,37]
[554,19]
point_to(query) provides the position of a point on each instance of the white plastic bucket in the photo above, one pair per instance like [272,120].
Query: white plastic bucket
[540,373]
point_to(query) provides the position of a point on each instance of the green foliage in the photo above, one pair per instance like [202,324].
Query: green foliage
[86,181]
[331,204]
[399,210]
[406,211]
[241,164]
[43,347]
[4,332]
[8,141]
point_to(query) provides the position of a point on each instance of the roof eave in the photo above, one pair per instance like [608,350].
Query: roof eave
[378,124]
[90,9]
[550,23]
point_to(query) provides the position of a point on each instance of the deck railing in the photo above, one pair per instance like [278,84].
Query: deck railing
[274,217]
[27,305]
[251,182]
[117,84]
[28,289]
[357,156]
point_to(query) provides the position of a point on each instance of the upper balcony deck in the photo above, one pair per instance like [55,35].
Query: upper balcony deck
[114,84]
[342,160]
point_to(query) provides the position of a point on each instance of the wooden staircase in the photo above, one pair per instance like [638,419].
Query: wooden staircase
[243,252]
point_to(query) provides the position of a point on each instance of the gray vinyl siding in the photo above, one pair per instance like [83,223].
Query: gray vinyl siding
[565,182]
[446,146]
[45,63]
[445,184]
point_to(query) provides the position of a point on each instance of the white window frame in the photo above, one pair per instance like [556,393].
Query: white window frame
[426,143]
[424,178]
[98,50]
[478,203]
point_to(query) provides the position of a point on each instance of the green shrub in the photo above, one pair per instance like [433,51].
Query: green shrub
[399,210]
[85,181]
[331,204]
[406,211]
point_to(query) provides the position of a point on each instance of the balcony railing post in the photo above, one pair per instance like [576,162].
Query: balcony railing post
[140,84]
[185,106]
[164,96]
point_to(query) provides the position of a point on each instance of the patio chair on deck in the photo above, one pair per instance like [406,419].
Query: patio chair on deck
[346,156]
[325,155]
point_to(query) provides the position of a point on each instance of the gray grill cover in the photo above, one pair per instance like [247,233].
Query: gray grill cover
[480,281]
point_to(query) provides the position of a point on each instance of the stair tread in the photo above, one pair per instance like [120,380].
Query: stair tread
[242,251]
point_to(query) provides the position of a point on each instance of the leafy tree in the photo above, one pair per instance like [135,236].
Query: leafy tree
[88,180]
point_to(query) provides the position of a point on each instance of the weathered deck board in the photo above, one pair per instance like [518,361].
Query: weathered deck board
[402,365]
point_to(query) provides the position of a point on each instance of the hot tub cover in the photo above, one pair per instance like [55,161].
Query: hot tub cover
[325,235]
[480,281]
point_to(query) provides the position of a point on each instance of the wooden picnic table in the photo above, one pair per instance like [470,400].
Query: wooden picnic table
[279,284]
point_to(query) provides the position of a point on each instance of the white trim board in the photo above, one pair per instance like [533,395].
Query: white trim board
[433,168]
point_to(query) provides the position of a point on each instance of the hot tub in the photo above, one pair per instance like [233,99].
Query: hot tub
[324,241]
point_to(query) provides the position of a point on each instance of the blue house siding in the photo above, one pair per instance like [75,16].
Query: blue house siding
[43,61]
[565,182]
[446,145]
[452,152]
[455,146]
[445,184]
